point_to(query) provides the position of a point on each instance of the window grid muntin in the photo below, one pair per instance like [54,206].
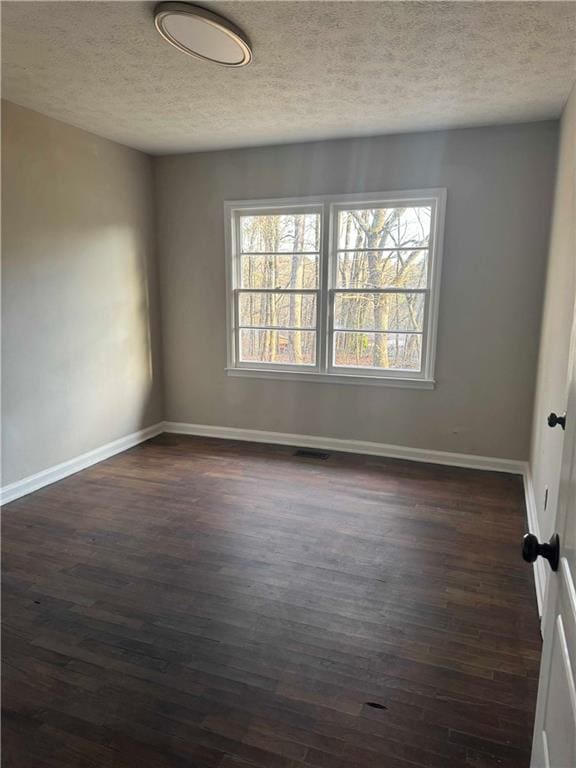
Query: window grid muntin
[278,210]
[383,203]
[242,287]
[336,254]
[376,291]
[348,368]
[279,292]
[280,365]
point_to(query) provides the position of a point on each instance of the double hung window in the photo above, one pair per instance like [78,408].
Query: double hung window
[338,288]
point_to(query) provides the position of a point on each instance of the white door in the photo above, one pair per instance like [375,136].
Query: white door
[554,744]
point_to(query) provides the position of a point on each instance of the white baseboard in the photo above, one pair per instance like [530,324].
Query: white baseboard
[533,526]
[60,471]
[350,446]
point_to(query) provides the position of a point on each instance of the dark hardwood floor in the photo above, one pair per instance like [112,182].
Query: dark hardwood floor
[197,602]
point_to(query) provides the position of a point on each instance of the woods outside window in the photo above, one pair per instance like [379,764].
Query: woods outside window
[337,288]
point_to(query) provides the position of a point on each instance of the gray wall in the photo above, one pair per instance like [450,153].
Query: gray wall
[81,330]
[500,185]
[546,453]
[79,293]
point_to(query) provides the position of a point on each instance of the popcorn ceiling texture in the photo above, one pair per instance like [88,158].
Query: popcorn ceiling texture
[321,70]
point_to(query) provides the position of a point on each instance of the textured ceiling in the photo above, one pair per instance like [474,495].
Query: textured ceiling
[320,70]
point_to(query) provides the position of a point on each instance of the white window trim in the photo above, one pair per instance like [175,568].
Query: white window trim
[327,205]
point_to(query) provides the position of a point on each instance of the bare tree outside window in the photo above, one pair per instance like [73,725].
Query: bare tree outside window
[280,255]
[382,259]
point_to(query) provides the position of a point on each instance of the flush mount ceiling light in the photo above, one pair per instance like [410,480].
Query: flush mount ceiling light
[203,34]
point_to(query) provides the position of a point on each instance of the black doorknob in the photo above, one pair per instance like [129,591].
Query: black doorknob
[553,420]
[531,549]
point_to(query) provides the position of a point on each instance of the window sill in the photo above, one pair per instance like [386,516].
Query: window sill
[331,378]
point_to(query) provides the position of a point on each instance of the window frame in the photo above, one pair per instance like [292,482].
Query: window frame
[328,207]
[235,288]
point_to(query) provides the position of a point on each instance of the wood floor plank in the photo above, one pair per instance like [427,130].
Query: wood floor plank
[210,603]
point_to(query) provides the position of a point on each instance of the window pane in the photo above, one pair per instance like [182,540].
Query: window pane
[280,271]
[287,309]
[285,232]
[379,311]
[280,347]
[382,269]
[384,227]
[401,351]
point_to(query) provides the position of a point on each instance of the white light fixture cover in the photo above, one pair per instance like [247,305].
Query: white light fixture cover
[203,34]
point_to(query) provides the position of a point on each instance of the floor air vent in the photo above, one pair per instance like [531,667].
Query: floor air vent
[307,453]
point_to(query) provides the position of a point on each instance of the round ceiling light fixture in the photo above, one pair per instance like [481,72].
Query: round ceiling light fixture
[203,34]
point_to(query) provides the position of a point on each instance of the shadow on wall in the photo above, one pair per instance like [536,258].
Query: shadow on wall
[78,355]
[80,307]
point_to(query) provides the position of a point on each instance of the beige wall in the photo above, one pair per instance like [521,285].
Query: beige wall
[79,293]
[500,184]
[547,443]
